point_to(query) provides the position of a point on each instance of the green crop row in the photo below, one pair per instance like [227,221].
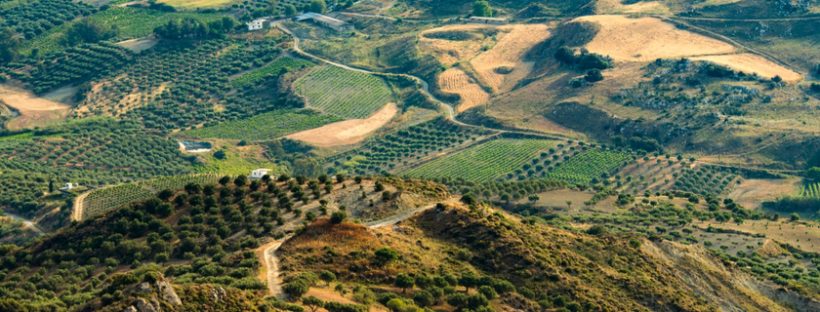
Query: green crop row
[484,162]
[343,93]
[265,126]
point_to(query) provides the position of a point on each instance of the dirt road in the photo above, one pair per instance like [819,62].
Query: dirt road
[270,266]
[77,207]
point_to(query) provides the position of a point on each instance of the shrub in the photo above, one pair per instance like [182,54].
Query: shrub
[594,75]
[338,217]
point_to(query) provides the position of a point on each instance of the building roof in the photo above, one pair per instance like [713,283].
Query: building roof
[321,18]
[484,18]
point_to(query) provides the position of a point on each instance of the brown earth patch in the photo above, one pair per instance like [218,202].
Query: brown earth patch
[751,193]
[347,132]
[456,81]
[647,39]
[34,111]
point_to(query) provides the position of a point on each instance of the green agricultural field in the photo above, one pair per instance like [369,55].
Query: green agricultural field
[344,93]
[273,68]
[484,162]
[589,165]
[266,126]
[130,23]
[811,190]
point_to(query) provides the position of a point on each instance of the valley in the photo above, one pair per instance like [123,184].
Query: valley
[392,155]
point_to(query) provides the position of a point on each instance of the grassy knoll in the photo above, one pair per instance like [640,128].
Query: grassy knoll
[130,23]
[236,162]
[344,93]
[287,63]
[484,162]
[265,126]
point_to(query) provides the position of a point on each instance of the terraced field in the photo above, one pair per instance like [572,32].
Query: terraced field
[346,94]
[811,190]
[265,126]
[274,68]
[590,166]
[106,199]
[484,162]
[406,147]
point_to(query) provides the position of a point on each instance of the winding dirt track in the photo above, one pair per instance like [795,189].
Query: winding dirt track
[77,211]
[423,87]
[271,272]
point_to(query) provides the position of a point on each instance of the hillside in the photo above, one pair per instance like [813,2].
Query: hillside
[393,155]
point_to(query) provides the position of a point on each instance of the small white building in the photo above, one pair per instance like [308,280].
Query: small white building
[69,186]
[257,174]
[257,24]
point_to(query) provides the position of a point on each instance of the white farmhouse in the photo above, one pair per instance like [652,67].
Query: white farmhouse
[69,186]
[257,174]
[256,24]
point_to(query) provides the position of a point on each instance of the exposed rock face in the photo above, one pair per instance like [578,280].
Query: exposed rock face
[167,293]
[151,297]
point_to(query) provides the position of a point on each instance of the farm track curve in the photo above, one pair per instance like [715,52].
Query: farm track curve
[424,87]
[271,264]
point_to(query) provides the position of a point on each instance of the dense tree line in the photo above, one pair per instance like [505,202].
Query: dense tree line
[190,28]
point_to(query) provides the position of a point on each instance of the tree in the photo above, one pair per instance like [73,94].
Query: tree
[404,281]
[317,6]
[296,288]
[87,32]
[468,280]
[327,277]
[313,302]
[290,10]
[338,217]
[594,75]
[813,174]
[482,8]
[224,180]
[9,43]
[220,154]
[424,298]
[458,300]
[385,255]
[240,180]
[569,205]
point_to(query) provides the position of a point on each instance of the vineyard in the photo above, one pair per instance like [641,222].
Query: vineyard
[590,166]
[405,147]
[76,65]
[105,199]
[705,180]
[811,190]
[484,162]
[265,126]
[344,93]
[31,18]
[179,86]
[275,68]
